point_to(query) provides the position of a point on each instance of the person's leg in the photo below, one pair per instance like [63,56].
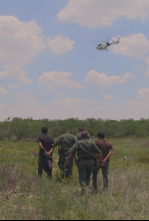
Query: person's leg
[105,170]
[82,176]
[90,166]
[69,168]
[49,167]
[94,176]
[40,165]
[61,162]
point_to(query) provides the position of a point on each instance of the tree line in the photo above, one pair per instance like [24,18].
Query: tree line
[29,129]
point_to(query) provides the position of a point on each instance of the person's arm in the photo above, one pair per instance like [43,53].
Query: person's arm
[39,141]
[98,155]
[57,143]
[71,153]
[51,151]
[42,147]
[89,137]
[75,140]
[107,157]
[68,158]
[99,159]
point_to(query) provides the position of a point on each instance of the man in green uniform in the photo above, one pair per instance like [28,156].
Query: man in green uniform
[65,141]
[87,152]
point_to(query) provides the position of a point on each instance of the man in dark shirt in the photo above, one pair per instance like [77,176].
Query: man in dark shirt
[82,130]
[106,148]
[45,153]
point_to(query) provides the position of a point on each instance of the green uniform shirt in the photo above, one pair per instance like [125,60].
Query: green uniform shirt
[66,141]
[84,149]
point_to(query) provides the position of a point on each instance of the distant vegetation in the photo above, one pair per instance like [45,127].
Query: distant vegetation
[25,129]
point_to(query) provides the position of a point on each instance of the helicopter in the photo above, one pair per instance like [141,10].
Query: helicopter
[105,45]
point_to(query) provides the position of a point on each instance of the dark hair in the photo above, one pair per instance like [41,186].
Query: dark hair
[101,135]
[44,130]
[81,129]
[68,132]
[84,135]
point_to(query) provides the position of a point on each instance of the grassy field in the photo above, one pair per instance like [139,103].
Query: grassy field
[24,196]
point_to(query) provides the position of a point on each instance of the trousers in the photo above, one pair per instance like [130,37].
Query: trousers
[62,166]
[44,164]
[105,170]
[85,169]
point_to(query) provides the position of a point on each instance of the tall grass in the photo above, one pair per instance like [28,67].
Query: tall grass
[25,196]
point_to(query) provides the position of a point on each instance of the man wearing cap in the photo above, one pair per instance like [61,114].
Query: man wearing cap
[86,151]
[45,152]
[106,148]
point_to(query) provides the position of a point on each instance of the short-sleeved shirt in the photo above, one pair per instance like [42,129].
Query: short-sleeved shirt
[84,149]
[66,141]
[46,142]
[104,146]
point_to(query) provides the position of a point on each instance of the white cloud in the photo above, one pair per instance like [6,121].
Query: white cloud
[20,42]
[140,107]
[25,106]
[143,94]
[2,105]
[147,60]
[60,45]
[103,80]
[136,45]
[102,13]
[21,106]
[108,97]
[59,79]
[22,81]
[16,73]
[83,109]
[147,63]
[76,108]
[2,91]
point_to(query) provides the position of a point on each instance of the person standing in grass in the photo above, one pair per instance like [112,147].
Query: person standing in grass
[106,148]
[65,141]
[86,151]
[45,153]
[81,130]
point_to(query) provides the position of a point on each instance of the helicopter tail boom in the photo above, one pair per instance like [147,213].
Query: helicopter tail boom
[118,41]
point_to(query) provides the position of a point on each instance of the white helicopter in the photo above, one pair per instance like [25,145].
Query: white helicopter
[105,45]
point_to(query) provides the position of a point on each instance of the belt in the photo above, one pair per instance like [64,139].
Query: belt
[86,158]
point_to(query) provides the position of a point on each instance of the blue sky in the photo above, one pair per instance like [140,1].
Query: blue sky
[50,68]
